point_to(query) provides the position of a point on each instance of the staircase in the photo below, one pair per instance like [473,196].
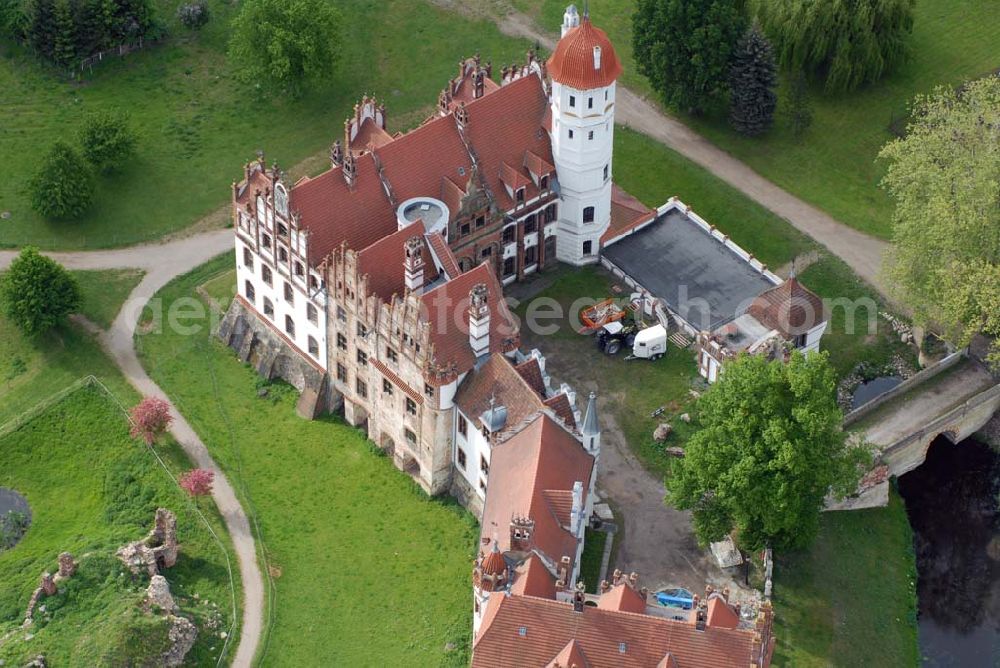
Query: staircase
[680,339]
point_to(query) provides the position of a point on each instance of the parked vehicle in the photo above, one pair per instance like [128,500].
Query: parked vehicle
[649,343]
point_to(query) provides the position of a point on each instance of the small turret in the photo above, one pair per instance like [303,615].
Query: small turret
[591,430]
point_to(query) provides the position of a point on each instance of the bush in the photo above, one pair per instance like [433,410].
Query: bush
[37,293]
[63,187]
[193,15]
[107,139]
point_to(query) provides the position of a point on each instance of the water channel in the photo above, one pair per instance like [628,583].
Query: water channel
[953,502]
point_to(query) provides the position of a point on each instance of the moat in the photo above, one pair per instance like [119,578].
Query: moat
[953,502]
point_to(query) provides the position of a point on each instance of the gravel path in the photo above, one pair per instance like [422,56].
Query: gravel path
[162,263]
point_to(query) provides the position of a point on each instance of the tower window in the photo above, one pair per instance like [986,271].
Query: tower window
[607,170]
[588,247]
[590,103]
[590,136]
[571,133]
[572,100]
[588,214]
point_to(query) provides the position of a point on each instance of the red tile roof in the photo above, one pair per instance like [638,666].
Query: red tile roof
[622,597]
[536,165]
[370,135]
[532,578]
[571,656]
[383,261]
[524,470]
[572,63]
[442,251]
[447,312]
[498,379]
[502,127]
[562,408]
[790,308]
[626,213]
[415,163]
[531,372]
[608,638]
[493,563]
[720,614]
[333,213]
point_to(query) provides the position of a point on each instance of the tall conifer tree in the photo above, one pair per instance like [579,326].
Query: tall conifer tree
[752,78]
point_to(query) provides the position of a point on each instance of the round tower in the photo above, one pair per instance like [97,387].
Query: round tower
[489,574]
[583,70]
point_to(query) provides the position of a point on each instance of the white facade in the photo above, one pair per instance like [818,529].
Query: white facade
[583,126]
[475,450]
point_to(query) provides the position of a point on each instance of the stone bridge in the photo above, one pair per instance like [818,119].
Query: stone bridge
[954,398]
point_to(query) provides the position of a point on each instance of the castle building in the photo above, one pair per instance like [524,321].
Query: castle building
[376,289]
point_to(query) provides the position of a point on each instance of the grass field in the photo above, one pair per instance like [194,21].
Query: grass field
[197,126]
[104,292]
[851,599]
[92,489]
[366,568]
[833,166]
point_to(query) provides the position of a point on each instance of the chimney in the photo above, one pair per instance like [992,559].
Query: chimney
[478,83]
[521,529]
[413,264]
[576,514]
[562,573]
[578,597]
[350,170]
[479,320]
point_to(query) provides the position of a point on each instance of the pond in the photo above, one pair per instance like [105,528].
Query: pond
[872,389]
[952,504]
[15,516]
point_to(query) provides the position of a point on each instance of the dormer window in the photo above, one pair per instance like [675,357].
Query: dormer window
[543,182]
[519,195]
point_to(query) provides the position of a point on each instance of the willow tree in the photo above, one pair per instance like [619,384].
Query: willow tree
[943,176]
[845,43]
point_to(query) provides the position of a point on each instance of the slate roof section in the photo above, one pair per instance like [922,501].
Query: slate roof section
[525,470]
[608,638]
[572,63]
[699,278]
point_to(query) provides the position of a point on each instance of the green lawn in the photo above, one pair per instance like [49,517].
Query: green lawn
[104,292]
[197,126]
[833,166]
[92,489]
[367,570]
[851,599]
[590,560]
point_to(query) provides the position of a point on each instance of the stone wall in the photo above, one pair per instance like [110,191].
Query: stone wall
[257,343]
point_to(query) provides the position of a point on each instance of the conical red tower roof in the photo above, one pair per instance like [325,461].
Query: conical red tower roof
[573,62]
[493,563]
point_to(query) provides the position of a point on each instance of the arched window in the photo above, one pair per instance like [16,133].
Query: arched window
[289,326]
[311,313]
[265,273]
[289,297]
[588,214]
[250,292]
[268,308]
[313,347]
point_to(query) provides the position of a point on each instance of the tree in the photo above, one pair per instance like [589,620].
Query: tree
[150,418]
[107,139]
[63,186]
[684,46]
[943,176]
[752,78]
[197,482]
[797,107]
[40,27]
[768,449]
[64,29]
[845,43]
[37,293]
[281,44]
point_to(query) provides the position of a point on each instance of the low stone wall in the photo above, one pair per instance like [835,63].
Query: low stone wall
[908,384]
[466,495]
[256,343]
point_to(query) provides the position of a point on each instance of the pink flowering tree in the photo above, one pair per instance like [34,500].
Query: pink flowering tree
[197,482]
[150,418]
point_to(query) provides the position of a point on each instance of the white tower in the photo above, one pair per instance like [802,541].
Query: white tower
[583,70]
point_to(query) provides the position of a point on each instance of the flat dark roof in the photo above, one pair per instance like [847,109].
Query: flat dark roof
[695,274]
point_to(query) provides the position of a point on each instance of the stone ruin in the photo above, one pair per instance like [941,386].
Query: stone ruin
[157,550]
[48,585]
[183,632]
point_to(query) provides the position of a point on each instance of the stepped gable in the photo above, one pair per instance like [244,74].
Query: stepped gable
[608,638]
[502,129]
[531,578]
[383,262]
[574,63]
[447,313]
[497,379]
[525,471]
[335,213]
[791,308]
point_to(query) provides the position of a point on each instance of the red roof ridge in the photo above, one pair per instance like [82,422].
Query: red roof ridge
[572,62]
